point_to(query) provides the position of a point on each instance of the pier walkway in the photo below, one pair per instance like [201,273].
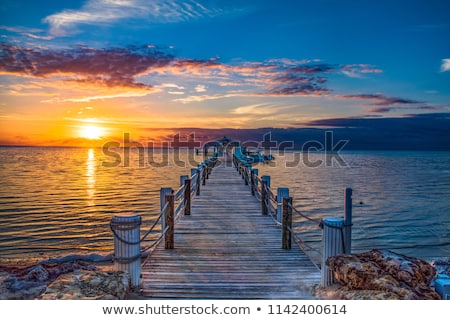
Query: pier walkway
[226,249]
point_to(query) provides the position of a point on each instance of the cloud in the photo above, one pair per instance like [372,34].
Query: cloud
[122,94]
[358,70]
[202,98]
[109,68]
[445,66]
[200,88]
[32,33]
[263,109]
[104,12]
[271,78]
[380,100]
[171,85]
[140,70]
[256,109]
[175,92]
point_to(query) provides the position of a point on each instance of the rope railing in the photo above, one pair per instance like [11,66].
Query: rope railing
[126,230]
[179,192]
[280,208]
[318,222]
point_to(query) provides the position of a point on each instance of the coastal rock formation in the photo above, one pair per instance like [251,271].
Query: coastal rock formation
[30,282]
[442,266]
[382,274]
[84,284]
[67,280]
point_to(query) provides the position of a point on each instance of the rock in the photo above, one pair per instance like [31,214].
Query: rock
[383,274]
[30,282]
[37,273]
[13,288]
[92,285]
[442,266]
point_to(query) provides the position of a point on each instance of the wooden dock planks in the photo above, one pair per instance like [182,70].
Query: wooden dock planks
[226,249]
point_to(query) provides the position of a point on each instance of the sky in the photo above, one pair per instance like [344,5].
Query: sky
[82,72]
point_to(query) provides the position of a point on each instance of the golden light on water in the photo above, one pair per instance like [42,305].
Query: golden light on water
[90,177]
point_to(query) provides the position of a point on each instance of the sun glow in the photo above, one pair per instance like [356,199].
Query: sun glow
[91,132]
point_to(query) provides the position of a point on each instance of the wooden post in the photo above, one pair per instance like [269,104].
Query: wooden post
[264,195]
[281,193]
[163,192]
[127,256]
[252,180]
[332,244]
[208,168]
[169,222]
[267,179]
[286,235]
[203,170]
[348,221]
[183,179]
[187,197]
[248,170]
[198,181]
[256,172]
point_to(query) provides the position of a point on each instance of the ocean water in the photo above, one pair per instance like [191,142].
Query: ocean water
[59,201]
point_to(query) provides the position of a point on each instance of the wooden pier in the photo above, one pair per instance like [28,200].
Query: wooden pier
[226,249]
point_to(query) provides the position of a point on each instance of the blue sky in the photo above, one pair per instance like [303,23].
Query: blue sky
[140,64]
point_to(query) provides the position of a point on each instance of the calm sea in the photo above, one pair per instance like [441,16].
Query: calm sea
[59,201]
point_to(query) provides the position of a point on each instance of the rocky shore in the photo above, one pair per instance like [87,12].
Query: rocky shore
[382,274]
[377,274]
[67,280]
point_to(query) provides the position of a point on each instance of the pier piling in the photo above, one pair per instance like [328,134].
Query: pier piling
[333,244]
[126,230]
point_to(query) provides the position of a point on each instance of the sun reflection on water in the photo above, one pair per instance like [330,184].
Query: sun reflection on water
[90,177]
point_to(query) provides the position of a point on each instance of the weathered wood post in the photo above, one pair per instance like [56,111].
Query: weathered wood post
[332,244]
[248,170]
[286,224]
[198,181]
[255,181]
[264,195]
[281,193]
[252,182]
[209,164]
[169,222]
[348,221]
[187,197]
[193,172]
[203,170]
[183,179]
[162,201]
[127,256]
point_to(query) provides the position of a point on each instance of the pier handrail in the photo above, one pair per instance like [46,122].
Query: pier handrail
[260,188]
[189,188]
[198,176]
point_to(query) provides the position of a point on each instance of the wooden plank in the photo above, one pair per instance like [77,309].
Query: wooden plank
[226,249]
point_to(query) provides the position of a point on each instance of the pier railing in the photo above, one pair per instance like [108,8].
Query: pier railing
[336,231]
[128,248]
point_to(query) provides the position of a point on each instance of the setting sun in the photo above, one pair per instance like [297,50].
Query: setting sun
[91,132]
